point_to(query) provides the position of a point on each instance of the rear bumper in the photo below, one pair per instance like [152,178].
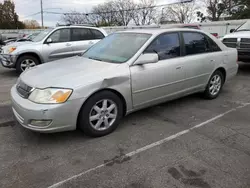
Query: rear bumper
[8,60]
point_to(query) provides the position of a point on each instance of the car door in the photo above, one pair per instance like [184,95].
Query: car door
[200,60]
[59,45]
[156,82]
[84,38]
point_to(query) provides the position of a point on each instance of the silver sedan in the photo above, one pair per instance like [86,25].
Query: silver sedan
[124,72]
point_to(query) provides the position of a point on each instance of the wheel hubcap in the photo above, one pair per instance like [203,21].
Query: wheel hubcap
[103,114]
[26,64]
[215,85]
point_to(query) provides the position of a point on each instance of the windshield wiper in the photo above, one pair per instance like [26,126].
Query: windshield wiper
[243,30]
[94,58]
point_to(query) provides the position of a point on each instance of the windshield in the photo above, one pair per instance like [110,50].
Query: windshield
[32,36]
[244,27]
[117,47]
[41,35]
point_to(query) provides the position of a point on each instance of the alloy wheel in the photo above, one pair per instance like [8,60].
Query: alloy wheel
[27,63]
[215,85]
[103,114]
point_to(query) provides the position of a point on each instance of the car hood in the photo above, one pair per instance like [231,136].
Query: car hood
[18,44]
[240,34]
[68,73]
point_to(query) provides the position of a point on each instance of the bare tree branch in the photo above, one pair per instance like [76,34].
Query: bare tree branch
[145,12]
[181,13]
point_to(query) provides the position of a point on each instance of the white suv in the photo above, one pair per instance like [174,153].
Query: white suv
[49,45]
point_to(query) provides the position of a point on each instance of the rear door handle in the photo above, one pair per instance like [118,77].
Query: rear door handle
[68,44]
[212,60]
[91,42]
[178,68]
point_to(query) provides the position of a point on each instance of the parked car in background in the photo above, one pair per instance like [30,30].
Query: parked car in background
[29,37]
[1,40]
[240,39]
[122,73]
[50,45]
[12,35]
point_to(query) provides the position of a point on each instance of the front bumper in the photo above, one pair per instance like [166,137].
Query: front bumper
[8,60]
[243,55]
[63,116]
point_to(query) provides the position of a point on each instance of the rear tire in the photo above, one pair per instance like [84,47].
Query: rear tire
[101,114]
[214,85]
[25,62]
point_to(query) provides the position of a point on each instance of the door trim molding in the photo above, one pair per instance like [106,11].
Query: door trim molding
[163,85]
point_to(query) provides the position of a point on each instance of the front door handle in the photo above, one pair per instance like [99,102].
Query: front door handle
[212,60]
[68,44]
[178,68]
[91,42]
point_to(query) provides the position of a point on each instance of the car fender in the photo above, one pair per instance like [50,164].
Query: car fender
[120,83]
[34,51]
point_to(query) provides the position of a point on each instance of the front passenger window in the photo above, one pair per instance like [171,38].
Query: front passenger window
[166,46]
[61,35]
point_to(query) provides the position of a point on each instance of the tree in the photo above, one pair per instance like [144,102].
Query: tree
[124,11]
[240,9]
[31,24]
[116,12]
[145,12]
[105,14]
[8,17]
[181,12]
[200,16]
[74,18]
[217,8]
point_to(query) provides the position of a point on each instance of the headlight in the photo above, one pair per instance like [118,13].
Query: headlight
[50,95]
[11,49]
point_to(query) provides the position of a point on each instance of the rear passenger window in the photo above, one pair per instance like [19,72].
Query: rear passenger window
[79,34]
[166,46]
[97,34]
[213,46]
[195,43]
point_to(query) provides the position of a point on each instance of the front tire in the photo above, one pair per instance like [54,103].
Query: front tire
[214,85]
[25,62]
[101,114]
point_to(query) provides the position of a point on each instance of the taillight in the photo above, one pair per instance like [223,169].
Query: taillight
[215,34]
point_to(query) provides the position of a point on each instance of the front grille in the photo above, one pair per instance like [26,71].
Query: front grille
[23,89]
[245,40]
[230,42]
[231,45]
[244,45]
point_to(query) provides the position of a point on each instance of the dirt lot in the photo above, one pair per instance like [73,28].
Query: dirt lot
[190,142]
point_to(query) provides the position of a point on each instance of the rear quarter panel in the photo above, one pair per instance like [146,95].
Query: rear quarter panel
[228,59]
[230,62]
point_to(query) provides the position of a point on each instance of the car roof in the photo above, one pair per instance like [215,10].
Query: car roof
[79,26]
[158,31]
[82,26]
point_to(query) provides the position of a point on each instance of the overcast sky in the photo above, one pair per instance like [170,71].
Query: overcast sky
[25,8]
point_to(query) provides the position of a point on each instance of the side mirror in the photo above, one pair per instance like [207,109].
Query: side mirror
[232,30]
[147,58]
[48,41]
